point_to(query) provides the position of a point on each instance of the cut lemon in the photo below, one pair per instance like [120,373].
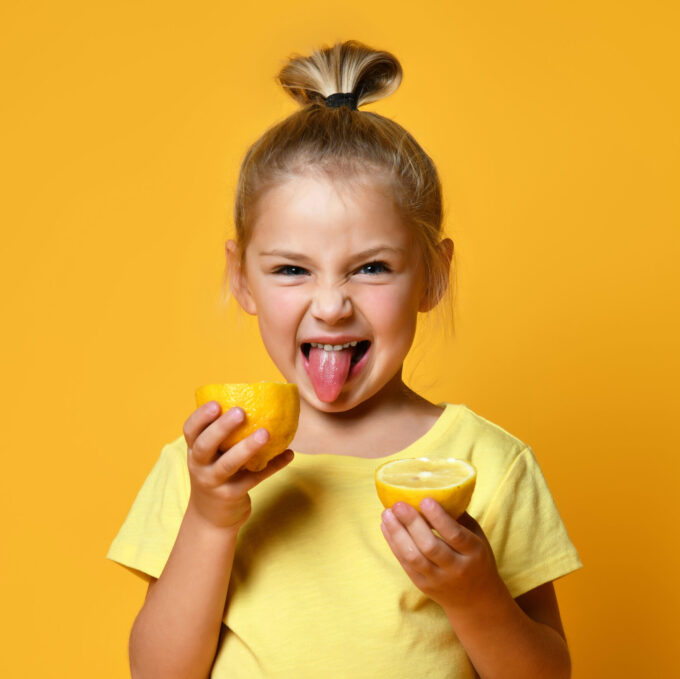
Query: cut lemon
[449,481]
[274,406]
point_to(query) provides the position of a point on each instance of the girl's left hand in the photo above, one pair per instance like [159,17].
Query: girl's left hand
[457,568]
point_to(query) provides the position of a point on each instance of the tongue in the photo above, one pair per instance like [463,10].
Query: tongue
[328,371]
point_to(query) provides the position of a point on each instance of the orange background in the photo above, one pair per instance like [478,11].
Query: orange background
[555,128]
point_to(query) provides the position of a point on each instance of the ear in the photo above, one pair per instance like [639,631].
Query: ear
[428,300]
[237,278]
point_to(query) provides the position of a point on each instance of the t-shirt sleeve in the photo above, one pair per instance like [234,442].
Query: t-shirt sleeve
[525,530]
[146,538]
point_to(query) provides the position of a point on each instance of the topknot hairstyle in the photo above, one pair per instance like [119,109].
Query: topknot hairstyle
[342,143]
[346,67]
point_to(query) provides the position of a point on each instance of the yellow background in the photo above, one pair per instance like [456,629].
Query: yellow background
[555,128]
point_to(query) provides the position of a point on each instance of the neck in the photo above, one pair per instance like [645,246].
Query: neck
[377,418]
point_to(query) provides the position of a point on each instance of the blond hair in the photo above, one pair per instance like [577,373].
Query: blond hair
[345,143]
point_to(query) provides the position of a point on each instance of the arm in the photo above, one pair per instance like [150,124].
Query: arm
[503,638]
[177,630]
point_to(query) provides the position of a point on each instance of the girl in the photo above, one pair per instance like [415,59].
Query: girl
[294,571]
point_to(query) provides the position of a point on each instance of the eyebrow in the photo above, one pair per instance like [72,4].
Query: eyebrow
[289,254]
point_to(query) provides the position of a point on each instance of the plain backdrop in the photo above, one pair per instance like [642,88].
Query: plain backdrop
[122,126]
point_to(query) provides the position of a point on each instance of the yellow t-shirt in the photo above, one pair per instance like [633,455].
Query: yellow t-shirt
[316,591]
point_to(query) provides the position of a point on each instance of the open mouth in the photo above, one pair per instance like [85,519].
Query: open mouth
[357,352]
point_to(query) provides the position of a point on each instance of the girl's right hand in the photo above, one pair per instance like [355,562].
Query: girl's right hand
[219,485]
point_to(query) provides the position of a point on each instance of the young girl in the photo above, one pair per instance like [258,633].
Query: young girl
[296,571]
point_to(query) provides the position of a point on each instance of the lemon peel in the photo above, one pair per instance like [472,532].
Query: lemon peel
[274,406]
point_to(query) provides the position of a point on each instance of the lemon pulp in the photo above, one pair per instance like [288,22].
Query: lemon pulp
[449,481]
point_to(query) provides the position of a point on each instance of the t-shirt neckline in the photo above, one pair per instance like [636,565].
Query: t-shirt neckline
[442,423]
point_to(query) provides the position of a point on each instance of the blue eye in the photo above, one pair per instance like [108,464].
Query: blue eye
[289,270]
[381,266]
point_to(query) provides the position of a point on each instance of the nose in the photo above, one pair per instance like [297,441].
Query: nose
[330,304]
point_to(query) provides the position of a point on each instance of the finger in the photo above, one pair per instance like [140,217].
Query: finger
[469,522]
[402,544]
[228,463]
[473,526]
[251,479]
[430,546]
[204,448]
[199,420]
[454,534]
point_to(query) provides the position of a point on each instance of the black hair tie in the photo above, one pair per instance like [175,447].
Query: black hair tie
[342,99]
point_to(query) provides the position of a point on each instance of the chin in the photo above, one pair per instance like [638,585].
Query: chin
[339,405]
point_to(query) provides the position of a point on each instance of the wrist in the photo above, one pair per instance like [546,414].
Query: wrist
[202,522]
[491,604]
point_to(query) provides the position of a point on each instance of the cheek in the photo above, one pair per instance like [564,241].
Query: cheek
[278,311]
[389,310]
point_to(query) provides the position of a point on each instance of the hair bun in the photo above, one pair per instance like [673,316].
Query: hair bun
[348,67]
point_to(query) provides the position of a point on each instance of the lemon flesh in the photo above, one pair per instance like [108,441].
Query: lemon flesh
[449,481]
[274,406]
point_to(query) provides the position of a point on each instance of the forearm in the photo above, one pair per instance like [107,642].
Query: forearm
[177,630]
[502,642]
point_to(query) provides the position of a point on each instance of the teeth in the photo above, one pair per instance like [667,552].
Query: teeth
[333,347]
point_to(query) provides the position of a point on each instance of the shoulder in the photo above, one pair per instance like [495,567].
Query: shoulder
[148,533]
[481,428]
[489,447]
[479,438]
[170,469]
[175,451]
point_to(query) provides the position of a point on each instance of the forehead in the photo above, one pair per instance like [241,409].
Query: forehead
[311,211]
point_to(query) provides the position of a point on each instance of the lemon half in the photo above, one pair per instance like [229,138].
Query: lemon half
[449,481]
[274,406]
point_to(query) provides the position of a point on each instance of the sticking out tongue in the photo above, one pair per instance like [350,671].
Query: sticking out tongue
[328,371]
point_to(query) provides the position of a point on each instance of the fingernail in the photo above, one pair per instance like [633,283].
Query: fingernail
[427,503]
[237,414]
[213,408]
[261,435]
[387,515]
